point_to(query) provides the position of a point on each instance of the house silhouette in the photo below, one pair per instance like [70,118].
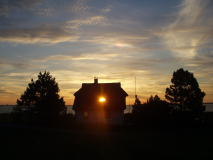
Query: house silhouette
[100,103]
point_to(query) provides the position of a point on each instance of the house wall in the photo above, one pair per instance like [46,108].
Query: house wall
[116,117]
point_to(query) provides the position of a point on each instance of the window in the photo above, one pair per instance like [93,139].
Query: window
[107,115]
[86,115]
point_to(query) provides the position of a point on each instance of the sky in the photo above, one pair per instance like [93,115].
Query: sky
[114,40]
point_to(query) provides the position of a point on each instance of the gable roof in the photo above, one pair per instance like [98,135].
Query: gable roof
[87,97]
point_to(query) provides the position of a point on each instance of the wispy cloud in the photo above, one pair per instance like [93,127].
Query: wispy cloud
[100,57]
[7,6]
[76,24]
[105,10]
[49,34]
[191,29]
[4,91]
[80,6]
[5,64]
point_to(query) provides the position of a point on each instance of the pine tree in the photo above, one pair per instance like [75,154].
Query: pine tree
[41,99]
[185,92]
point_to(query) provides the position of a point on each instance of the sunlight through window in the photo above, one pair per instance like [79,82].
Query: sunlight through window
[102,99]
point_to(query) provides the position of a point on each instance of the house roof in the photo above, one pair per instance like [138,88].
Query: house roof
[87,97]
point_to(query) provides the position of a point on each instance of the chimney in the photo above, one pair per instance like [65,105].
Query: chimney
[96,80]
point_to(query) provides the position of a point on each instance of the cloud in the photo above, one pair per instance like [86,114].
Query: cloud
[24,22]
[105,10]
[83,27]
[101,57]
[24,3]
[80,6]
[3,91]
[21,65]
[16,74]
[17,65]
[192,28]
[7,6]
[76,24]
[49,34]
[4,10]
[2,61]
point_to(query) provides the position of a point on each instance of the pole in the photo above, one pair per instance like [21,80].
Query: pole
[129,105]
[135,85]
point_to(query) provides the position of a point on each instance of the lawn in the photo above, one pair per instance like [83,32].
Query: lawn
[23,143]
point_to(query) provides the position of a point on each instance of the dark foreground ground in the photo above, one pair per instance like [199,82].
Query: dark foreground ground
[55,143]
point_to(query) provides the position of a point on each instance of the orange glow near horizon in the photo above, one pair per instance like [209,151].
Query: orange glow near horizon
[102,99]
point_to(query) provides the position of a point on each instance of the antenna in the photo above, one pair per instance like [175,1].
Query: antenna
[129,104]
[135,88]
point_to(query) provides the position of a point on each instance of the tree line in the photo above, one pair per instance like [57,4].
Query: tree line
[184,103]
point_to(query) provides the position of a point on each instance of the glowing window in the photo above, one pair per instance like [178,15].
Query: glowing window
[102,99]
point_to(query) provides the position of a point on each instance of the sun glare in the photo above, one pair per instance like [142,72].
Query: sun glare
[102,99]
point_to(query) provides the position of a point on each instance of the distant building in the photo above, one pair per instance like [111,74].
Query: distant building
[100,103]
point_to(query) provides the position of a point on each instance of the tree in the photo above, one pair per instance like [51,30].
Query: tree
[185,93]
[156,111]
[41,99]
[153,112]
[136,110]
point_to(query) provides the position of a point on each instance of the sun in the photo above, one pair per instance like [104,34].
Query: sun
[102,99]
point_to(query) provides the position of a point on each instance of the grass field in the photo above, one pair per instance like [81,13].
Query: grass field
[23,143]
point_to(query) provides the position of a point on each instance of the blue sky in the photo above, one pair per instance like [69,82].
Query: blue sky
[112,40]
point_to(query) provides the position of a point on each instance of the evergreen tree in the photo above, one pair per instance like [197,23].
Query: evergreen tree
[41,99]
[185,92]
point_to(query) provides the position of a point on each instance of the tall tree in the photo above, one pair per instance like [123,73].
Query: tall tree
[185,92]
[41,98]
